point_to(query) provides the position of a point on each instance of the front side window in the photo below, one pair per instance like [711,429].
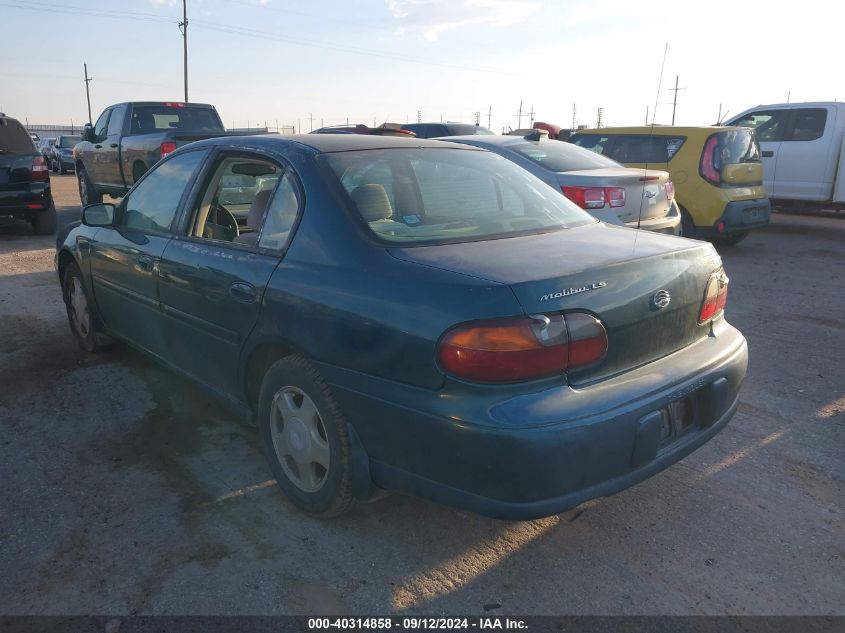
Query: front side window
[152,204]
[100,125]
[807,124]
[449,195]
[769,125]
[557,156]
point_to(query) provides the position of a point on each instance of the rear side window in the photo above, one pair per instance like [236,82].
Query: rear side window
[593,142]
[14,139]
[638,148]
[807,124]
[770,125]
[558,156]
[118,115]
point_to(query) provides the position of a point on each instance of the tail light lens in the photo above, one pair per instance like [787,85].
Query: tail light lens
[522,348]
[39,169]
[715,296]
[670,189]
[710,167]
[595,197]
[167,148]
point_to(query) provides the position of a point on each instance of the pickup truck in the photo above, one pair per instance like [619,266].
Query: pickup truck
[803,152]
[129,138]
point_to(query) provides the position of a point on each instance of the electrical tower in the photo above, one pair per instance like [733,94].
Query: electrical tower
[675,99]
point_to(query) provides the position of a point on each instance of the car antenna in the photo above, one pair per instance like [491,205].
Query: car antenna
[651,135]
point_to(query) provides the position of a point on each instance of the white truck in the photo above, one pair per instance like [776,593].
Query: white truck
[803,152]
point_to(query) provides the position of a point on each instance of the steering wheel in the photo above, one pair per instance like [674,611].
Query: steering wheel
[221,224]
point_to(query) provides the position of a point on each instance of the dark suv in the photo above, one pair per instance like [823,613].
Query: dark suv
[24,179]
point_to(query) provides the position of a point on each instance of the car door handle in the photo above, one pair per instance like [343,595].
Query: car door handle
[113,145]
[242,291]
[146,263]
[767,153]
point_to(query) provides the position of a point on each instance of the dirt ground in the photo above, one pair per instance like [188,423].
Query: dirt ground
[125,490]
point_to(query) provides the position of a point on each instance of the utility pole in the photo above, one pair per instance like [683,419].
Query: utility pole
[719,120]
[519,114]
[675,100]
[87,92]
[419,116]
[531,115]
[311,120]
[489,116]
[477,117]
[183,26]
[646,115]
[598,117]
[574,116]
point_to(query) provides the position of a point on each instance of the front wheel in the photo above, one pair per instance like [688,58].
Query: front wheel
[305,438]
[87,192]
[80,311]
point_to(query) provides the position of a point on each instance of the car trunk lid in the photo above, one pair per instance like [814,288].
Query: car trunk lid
[645,190]
[613,272]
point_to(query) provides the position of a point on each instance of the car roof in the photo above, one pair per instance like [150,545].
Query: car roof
[326,143]
[662,130]
[496,140]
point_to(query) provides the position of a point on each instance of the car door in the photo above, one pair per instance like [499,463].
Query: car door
[96,163]
[110,151]
[803,171]
[125,258]
[212,281]
[770,126]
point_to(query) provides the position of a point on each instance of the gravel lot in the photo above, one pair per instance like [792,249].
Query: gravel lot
[125,490]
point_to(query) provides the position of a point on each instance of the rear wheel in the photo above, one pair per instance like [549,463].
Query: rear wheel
[305,438]
[45,222]
[87,193]
[730,239]
[80,312]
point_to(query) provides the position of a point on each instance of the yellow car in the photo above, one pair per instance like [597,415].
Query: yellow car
[717,171]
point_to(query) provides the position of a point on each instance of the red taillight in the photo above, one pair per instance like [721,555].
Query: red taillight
[174,104]
[709,165]
[167,148]
[39,169]
[715,296]
[670,189]
[523,348]
[595,197]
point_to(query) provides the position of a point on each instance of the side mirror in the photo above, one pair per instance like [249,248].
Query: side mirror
[98,214]
[88,133]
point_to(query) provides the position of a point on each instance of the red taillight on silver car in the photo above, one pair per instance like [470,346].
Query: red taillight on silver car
[39,169]
[167,147]
[715,296]
[522,348]
[595,197]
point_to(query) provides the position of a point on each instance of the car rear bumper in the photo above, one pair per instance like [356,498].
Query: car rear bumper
[669,224]
[521,454]
[740,216]
[25,202]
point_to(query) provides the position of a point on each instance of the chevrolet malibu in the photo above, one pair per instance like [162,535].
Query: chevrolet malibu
[412,315]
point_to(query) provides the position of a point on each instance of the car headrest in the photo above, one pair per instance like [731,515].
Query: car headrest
[257,208]
[372,202]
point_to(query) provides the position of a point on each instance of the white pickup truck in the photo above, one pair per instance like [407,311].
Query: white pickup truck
[803,152]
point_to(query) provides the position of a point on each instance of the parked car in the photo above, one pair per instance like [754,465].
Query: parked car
[433,130]
[638,198]
[24,179]
[385,129]
[61,157]
[129,138]
[45,146]
[717,171]
[803,153]
[35,138]
[414,315]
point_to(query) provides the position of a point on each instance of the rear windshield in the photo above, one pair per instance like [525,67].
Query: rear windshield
[69,142]
[432,195]
[632,148]
[463,129]
[738,146]
[14,139]
[163,118]
[560,156]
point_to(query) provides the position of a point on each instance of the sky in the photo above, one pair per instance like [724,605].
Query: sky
[317,63]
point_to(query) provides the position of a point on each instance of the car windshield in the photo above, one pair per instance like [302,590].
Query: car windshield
[739,146]
[69,142]
[14,139]
[463,129]
[433,195]
[561,156]
[163,118]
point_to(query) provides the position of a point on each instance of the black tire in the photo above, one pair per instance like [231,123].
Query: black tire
[730,239]
[334,496]
[687,225]
[89,338]
[138,170]
[45,222]
[87,192]
[54,166]
[62,170]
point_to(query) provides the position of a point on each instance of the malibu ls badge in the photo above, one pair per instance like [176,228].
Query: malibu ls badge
[573,291]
